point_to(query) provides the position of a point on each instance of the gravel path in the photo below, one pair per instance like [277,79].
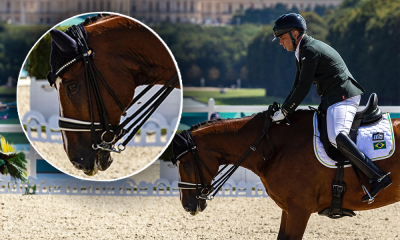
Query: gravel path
[94,217]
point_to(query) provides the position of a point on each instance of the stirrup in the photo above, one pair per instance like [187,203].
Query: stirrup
[371,199]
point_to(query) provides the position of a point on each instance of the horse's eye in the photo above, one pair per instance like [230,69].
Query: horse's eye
[73,88]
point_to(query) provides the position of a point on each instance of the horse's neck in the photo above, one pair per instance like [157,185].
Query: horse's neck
[138,50]
[229,146]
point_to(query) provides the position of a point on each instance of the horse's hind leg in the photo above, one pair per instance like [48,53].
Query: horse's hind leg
[296,223]
[281,234]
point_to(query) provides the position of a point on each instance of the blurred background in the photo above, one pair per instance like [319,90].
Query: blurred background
[227,44]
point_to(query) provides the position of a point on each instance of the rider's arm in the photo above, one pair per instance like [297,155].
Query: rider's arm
[309,61]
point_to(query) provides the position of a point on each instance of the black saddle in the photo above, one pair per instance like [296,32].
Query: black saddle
[368,116]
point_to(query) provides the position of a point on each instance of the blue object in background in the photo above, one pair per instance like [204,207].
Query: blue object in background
[42,166]
[394,115]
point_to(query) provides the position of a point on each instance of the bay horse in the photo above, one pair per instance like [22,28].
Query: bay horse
[293,177]
[111,56]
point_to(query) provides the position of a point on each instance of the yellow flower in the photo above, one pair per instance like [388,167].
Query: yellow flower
[5,146]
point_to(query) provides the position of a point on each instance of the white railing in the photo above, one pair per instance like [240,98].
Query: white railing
[124,187]
[35,121]
[211,108]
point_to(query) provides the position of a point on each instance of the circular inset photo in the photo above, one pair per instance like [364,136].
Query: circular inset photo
[101,97]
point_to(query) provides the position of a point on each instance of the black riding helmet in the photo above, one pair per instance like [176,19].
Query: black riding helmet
[288,22]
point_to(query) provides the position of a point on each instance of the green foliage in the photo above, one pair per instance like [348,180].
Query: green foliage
[15,43]
[201,50]
[15,166]
[38,62]
[366,33]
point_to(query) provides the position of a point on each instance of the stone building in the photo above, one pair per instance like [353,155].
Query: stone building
[149,11]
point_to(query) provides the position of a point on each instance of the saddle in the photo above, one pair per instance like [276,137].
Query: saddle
[370,115]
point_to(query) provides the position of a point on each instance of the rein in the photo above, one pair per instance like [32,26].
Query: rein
[207,192]
[119,131]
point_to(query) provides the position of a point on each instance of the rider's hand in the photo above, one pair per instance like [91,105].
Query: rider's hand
[278,116]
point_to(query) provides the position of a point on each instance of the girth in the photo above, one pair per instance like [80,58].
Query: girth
[139,118]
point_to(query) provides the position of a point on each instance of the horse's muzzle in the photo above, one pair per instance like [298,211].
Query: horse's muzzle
[101,161]
[194,207]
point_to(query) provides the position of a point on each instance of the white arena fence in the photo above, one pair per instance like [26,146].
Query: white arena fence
[35,121]
[124,187]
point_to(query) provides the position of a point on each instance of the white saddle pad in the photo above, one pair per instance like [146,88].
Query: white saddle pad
[375,141]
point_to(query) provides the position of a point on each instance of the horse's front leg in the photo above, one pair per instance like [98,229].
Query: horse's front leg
[296,223]
[281,234]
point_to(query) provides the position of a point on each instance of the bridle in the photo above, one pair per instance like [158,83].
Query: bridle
[207,192]
[138,118]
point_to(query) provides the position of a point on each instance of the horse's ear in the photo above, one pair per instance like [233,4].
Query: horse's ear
[180,141]
[64,42]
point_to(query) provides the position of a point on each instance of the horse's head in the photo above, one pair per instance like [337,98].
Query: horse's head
[195,173]
[80,106]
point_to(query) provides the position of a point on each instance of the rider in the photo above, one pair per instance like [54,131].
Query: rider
[319,64]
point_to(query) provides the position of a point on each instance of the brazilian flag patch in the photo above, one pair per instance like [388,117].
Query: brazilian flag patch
[380,145]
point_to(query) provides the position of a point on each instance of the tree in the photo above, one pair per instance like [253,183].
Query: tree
[38,62]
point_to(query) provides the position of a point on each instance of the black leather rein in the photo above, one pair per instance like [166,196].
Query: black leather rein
[139,118]
[207,192]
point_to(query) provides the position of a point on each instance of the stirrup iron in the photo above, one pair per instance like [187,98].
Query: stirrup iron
[365,190]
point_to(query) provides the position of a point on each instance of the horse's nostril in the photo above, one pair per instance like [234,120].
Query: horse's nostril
[78,166]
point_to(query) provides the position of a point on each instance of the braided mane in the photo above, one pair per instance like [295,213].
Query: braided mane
[214,121]
[100,16]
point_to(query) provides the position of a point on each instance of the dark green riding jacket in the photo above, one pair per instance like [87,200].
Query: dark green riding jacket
[322,66]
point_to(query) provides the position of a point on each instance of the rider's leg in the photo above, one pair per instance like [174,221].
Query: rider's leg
[339,119]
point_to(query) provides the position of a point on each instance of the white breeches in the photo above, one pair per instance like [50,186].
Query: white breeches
[340,116]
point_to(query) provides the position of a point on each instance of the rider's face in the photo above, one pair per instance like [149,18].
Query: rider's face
[286,42]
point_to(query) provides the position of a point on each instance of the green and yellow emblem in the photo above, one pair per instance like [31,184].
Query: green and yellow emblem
[380,145]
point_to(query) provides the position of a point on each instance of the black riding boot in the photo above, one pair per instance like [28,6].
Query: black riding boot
[358,159]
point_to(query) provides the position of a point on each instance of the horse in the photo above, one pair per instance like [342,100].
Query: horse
[127,55]
[292,176]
